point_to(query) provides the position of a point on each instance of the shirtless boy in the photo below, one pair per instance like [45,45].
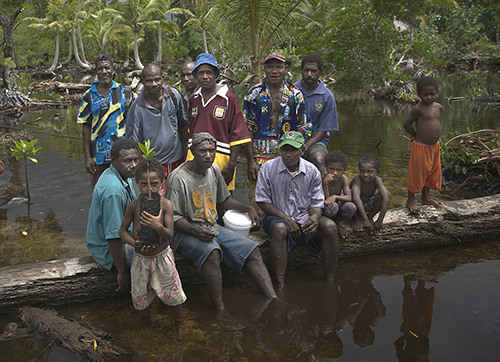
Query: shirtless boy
[338,205]
[424,171]
[153,268]
[368,203]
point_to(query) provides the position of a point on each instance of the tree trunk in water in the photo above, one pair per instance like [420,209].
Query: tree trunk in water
[205,40]
[75,48]
[56,55]
[137,60]
[68,59]
[158,57]
[8,27]
[80,42]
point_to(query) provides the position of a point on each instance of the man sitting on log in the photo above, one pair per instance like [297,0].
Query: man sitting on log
[290,194]
[195,188]
[109,200]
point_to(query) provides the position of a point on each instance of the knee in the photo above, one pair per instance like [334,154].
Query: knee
[280,231]
[328,228]
[317,158]
[213,257]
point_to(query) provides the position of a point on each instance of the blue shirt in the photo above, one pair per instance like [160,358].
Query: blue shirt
[321,111]
[108,202]
[294,194]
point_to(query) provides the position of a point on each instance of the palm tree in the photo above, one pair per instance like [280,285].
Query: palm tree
[54,21]
[315,14]
[266,20]
[164,22]
[136,14]
[203,11]
[98,28]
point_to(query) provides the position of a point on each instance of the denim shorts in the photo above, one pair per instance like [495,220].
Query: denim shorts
[233,247]
[312,245]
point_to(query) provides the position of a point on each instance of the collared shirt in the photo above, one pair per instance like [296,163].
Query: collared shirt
[321,110]
[221,117]
[257,110]
[294,194]
[106,116]
[145,122]
[108,202]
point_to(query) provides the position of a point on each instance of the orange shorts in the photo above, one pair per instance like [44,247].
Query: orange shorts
[425,167]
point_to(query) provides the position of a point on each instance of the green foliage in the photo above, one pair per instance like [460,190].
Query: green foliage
[24,148]
[146,149]
[459,157]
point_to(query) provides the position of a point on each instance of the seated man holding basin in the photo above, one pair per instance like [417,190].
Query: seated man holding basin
[195,189]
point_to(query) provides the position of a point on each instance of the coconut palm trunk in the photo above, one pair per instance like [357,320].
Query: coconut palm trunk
[80,42]
[56,55]
[70,53]
[75,48]
[137,60]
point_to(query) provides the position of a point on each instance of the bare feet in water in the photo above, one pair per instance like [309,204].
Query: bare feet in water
[227,321]
[183,331]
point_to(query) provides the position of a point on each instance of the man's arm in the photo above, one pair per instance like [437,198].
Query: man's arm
[228,171]
[202,233]
[311,225]
[232,204]
[252,167]
[86,136]
[123,278]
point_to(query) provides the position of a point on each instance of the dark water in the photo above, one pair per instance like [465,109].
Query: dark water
[358,319]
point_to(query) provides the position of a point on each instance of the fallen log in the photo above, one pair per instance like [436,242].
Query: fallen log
[81,279]
[82,339]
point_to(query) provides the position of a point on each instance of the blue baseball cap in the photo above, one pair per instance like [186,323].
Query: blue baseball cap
[205,58]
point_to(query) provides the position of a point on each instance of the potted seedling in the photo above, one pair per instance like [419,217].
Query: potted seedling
[22,149]
[149,202]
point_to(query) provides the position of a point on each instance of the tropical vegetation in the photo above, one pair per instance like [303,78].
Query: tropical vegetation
[365,43]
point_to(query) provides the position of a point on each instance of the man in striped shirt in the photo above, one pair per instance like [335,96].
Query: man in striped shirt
[290,194]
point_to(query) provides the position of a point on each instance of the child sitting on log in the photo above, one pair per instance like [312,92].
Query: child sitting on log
[338,205]
[368,201]
[153,270]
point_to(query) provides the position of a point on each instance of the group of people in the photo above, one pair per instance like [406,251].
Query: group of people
[298,187]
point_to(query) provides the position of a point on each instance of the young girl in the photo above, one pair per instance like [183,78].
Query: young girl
[338,205]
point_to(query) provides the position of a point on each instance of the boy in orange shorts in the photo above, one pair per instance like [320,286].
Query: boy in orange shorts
[424,171]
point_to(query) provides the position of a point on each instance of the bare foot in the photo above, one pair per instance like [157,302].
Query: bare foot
[227,321]
[342,231]
[412,206]
[356,224]
[430,201]
[183,331]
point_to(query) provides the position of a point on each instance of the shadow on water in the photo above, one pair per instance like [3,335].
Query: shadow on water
[439,305]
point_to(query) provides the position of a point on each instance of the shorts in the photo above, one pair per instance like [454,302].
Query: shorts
[233,247]
[424,168]
[155,275]
[312,244]
[317,147]
[168,169]
[345,210]
[368,205]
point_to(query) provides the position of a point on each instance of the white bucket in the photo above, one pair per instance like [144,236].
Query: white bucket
[239,222]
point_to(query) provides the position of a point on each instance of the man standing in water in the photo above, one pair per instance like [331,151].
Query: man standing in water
[110,197]
[189,82]
[102,113]
[195,189]
[321,111]
[157,115]
[270,109]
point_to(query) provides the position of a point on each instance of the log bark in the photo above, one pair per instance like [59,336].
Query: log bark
[82,339]
[81,279]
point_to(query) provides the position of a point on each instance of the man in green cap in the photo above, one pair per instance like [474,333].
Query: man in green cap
[290,194]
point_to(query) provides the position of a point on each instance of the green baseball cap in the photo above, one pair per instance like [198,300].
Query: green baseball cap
[292,138]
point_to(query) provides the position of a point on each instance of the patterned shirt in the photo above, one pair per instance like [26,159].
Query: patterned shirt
[294,194]
[106,118]
[257,110]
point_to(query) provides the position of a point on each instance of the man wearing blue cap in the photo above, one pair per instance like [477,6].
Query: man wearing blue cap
[214,109]
[102,114]
[290,193]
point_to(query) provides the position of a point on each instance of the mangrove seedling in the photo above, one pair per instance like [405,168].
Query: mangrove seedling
[23,149]
[147,151]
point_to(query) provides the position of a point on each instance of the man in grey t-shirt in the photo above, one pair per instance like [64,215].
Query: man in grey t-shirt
[195,189]
[157,115]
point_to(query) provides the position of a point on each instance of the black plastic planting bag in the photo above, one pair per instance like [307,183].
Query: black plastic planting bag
[146,235]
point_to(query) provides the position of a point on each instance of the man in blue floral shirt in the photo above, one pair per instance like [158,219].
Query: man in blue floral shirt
[270,109]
